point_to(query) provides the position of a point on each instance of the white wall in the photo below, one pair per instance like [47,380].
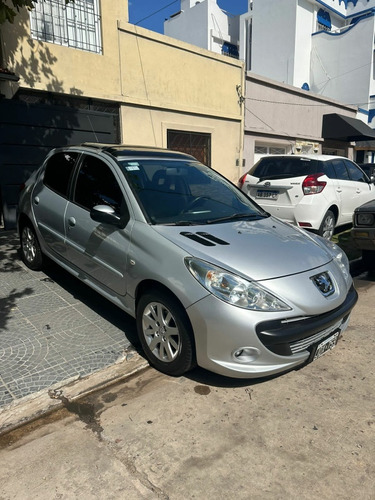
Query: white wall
[274,29]
[191,25]
[341,64]
[305,24]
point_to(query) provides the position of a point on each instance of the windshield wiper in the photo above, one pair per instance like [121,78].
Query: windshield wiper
[234,217]
[185,223]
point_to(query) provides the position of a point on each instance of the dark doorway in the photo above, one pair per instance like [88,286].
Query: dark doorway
[193,143]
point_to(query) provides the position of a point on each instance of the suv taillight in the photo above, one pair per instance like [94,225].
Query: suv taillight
[241,181]
[311,184]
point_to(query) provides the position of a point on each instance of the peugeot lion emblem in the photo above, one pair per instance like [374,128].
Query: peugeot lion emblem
[324,283]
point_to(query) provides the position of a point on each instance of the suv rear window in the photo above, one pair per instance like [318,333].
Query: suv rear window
[284,168]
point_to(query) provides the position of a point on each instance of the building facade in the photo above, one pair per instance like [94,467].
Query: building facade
[323,47]
[81,73]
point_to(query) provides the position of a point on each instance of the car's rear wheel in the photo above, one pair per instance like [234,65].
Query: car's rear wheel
[165,333]
[31,253]
[327,227]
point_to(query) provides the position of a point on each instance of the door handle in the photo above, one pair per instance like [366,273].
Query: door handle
[71,221]
[36,200]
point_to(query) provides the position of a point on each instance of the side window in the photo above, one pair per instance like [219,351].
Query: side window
[328,169]
[355,173]
[97,185]
[341,170]
[59,171]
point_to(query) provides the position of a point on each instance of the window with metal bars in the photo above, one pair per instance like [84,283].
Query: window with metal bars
[75,25]
[193,143]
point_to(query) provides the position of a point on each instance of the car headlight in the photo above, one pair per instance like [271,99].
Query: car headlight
[233,289]
[365,219]
[339,257]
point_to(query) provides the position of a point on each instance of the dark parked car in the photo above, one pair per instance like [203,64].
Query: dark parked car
[368,168]
[363,232]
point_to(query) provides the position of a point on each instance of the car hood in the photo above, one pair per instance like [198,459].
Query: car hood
[257,249]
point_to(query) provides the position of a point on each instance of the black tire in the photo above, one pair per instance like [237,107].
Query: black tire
[31,253]
[368,259]
[327,227]
[165,333]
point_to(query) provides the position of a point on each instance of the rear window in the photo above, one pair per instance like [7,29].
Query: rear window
[283,168]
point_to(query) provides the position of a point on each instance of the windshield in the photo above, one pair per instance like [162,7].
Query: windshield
[185,193]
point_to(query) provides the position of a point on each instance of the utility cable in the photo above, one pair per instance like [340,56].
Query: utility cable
[156,12]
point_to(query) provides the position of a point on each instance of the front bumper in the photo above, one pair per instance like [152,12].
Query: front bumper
[271,346]
[364,237]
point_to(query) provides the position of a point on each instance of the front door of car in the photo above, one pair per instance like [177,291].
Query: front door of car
[97,249]
[50,199]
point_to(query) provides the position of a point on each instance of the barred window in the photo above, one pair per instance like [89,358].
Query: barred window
[261,150]
[74,25]
[277,151]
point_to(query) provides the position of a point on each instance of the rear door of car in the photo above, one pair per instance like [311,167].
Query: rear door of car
[352,188]
[276,183]
[50,199]
[99,250]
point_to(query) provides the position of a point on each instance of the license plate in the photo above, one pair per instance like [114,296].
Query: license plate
[326,345]
[267,194]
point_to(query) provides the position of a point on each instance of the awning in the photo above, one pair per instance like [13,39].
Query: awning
[345,128]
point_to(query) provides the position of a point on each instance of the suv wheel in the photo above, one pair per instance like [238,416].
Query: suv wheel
[327,227]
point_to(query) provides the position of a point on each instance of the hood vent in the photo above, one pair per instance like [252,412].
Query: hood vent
[205,239]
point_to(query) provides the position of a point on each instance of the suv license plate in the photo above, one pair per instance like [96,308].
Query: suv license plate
[326,345]
[270,195]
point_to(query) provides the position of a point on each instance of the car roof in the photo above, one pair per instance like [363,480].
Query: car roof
[120,150]
[309,156]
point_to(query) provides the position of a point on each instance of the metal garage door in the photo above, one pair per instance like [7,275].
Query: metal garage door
[29,130]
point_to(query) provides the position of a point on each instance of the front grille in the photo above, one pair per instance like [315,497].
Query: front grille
[302,345]
[287,338]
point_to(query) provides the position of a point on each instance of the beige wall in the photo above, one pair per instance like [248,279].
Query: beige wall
[55,68]
[141,126]
[163,72]
[167,84]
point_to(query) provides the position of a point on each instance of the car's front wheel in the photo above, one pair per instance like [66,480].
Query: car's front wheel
[31,253]
[327,227]
[165,333]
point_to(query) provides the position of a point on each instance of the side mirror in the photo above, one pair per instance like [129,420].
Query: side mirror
[105,215]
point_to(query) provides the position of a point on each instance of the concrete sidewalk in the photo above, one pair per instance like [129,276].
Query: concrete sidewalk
[53,328]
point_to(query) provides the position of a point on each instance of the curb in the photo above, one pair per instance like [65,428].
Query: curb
[34,406]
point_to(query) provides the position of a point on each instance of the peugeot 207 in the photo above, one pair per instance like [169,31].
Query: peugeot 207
[210,277]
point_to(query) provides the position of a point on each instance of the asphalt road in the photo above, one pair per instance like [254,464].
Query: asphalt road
[308,434]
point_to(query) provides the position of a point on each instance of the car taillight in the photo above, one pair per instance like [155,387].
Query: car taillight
[311,184]
[241,182]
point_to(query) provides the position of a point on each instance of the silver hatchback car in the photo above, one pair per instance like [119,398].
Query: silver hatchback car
[211,278]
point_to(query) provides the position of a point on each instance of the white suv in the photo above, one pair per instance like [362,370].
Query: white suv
[316,192]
